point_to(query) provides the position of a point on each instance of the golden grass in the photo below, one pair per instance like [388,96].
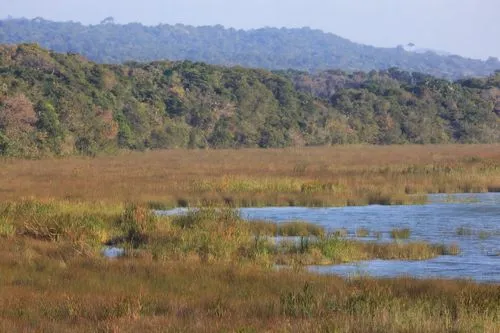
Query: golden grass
[209,234]
[213,272]
[341,175]
[42,291]
[210,271]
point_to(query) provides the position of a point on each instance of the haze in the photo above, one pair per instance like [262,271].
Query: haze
[465,27]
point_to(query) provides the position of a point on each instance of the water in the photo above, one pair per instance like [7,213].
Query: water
[113,252]
[472,221]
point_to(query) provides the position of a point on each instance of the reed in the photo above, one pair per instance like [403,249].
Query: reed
[400,233]
[323,176]
[211,234]
[362,232]
[40,292]
[210,270]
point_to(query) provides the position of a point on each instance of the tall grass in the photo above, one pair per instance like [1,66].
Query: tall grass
[209,234]
[210,270]
[38,293]
[350,175]
[400,233]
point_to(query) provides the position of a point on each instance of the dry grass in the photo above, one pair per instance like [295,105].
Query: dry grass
[210,235]
[40,291]
[342,175]
[212,272]
[209,271]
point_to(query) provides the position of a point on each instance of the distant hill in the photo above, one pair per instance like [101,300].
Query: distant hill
[57,104]
[270,48]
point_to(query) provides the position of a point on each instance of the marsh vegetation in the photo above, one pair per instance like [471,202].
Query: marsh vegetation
[326,176]
[212,270]
[209,270]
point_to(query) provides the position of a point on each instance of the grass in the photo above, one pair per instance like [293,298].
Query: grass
[362,232]
[42,291]
[292,229]
[403,233]
[209,234]
[326,176]
[210,271]
[481,234]
[464,231]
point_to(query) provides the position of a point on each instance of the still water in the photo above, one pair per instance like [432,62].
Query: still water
[472,221]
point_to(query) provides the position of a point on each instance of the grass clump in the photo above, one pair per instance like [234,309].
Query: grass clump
[211,234]
[452,250]
[397,233]
[7,229]
[286,229]
[299,228]
[340,233]
[464,231]
[136,223]
[362,232]
[208,234]
[56,222]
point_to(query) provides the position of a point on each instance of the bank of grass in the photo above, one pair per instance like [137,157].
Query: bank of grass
[210,271]
[42,290]
[326,176]
[211,234]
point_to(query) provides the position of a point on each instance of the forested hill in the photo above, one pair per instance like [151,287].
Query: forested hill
[53,103]
[301,49]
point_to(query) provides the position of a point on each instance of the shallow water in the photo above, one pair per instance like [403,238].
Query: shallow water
[472,221]
[113,252]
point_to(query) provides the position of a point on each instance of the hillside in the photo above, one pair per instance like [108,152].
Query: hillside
[52,103]
[270,48]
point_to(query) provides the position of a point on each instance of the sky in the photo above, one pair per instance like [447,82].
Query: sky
[466,27]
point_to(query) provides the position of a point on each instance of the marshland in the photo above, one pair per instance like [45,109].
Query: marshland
[323,176]
[208,179]
[218,266]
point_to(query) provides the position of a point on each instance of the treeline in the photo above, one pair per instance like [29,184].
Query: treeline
[270,48]
[52,103]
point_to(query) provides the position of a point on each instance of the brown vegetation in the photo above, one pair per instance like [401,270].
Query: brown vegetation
[211,271]
[340,175]
[201,272]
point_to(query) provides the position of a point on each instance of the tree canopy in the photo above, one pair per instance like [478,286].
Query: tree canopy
[53,103]
[270,48]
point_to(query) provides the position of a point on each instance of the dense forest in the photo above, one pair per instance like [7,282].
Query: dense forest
[53,103]
[270,48]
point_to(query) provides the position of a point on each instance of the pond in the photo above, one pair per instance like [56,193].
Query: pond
[472,221]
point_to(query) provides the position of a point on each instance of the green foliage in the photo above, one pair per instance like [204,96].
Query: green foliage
[301,49]
[54,222]
[63,104]
[7,229]
[50,127]
[211,233]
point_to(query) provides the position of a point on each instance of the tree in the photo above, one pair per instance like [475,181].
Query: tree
[17,126]
[52,134]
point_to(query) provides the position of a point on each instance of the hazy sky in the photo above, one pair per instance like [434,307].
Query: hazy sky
[466,27]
